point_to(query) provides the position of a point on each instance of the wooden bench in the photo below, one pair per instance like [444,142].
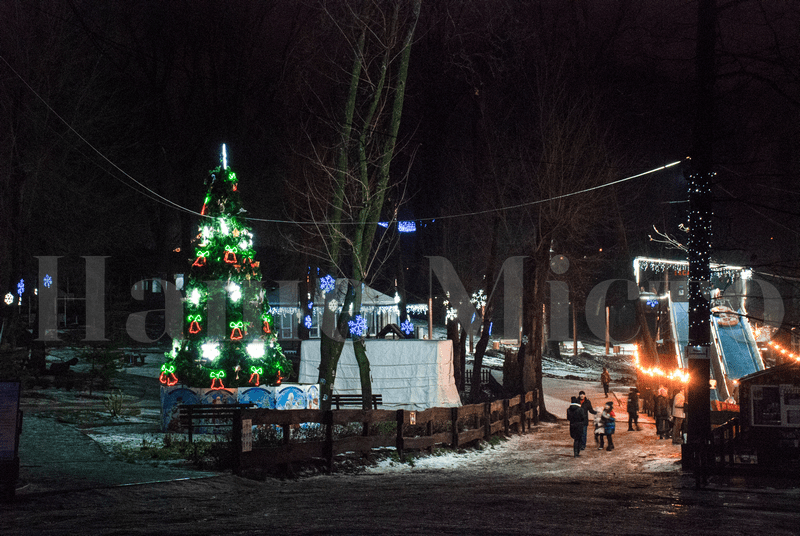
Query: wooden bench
[338,401]
[136,359]
[214,416]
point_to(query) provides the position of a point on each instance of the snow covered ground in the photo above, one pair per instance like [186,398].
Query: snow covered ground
[563,377]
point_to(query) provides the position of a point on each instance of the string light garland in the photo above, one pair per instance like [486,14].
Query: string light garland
[783,351]
[657,372]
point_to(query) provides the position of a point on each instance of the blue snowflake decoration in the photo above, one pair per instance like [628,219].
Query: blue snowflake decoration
[327,283]
[407,327]
[358,326]
[21,287]
[311,305]
[48,281]
[307,322]
[652,303]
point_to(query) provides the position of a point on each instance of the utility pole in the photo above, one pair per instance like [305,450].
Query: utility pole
[699,175]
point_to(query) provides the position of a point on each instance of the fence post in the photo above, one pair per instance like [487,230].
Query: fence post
[454,426]
[189,422]
[400,423]
[236,440]
[487,420]
[535,407]
[506,424]
[327,419]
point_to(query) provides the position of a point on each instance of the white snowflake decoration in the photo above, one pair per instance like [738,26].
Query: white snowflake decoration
[479,298]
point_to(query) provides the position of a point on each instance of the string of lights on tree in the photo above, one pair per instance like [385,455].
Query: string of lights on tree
[224,271]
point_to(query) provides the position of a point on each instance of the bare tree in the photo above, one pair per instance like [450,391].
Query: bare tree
[347,185]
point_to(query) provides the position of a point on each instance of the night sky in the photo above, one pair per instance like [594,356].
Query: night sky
[113,112]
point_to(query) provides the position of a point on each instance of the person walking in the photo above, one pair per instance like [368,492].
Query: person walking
[605,379]
[586,405]
[577,424]
[633,409]
[661,413]
[609,420]
[678,414]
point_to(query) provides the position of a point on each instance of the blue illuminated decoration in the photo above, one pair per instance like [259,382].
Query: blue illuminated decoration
[490,328]
[48,281]
[406,227]
[358,326]
[407,327]
[384,224]
[327,283]
[21,287]
[311,305]
[307,322]
[652,303]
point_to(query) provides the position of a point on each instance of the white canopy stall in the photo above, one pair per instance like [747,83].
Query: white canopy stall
[409,374]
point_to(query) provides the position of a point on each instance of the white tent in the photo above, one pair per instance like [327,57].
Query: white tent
[408,374]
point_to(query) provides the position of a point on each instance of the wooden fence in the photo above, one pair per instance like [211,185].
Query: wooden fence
[412,430]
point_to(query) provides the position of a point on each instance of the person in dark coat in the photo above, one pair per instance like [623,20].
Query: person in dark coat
[661,412]
[577,424]
[633,409]
[586,405]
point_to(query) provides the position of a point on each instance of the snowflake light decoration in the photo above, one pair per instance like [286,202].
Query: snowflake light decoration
[21,287]
[407,327]
[333,305]
[48,281]
[327,283]
[308,322]
[358,326]
[9,299]
[479,298]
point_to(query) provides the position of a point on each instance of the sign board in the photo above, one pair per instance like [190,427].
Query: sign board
[9,419]
[697,352]
[247,435]
[775,405]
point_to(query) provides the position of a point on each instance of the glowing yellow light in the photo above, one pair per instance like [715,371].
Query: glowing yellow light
[677,374]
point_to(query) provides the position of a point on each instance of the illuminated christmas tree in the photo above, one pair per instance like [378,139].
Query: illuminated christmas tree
[229,337]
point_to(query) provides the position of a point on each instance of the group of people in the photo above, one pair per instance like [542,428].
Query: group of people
[578,416]
[669,415]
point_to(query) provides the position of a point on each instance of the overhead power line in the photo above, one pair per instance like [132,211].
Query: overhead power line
[155,196]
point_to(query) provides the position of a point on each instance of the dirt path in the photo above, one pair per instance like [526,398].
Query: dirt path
[530,484]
